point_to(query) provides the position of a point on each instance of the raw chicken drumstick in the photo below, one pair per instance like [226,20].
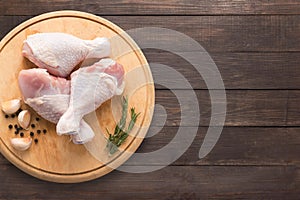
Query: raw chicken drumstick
[59,53]
[90,87]
[49,96]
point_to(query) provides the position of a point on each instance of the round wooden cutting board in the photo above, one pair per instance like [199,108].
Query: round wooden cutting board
[55,158]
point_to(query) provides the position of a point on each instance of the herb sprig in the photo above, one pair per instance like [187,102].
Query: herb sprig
[120,133]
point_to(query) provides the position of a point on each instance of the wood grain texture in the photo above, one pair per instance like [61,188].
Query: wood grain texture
[277,33]
[293,108]
[173,182]
[246,146]
[238,70]
[144,7]
[267,146]
[226,33]
[244,107]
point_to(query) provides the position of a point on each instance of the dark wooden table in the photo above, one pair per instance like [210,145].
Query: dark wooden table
[256,46]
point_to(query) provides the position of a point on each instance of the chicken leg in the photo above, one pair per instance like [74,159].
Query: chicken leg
[49,96]
[59,53]
[90,87]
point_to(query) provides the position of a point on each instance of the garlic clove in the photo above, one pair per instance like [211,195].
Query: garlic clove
[24,118]
[12,106]
[21,144]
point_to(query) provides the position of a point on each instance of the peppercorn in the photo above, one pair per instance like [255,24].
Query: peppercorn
[16,132]
[36,140]
[44,131]
[32,126]
[6,116]
[10,126]
[13,116]
[37,119]
[31,134]
[38,131]
[22,134]
[16,126]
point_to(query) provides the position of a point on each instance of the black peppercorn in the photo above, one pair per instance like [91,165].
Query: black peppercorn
[10,126]
[32,126]
[31,134]
[16,126]
[37,119]
[13,116]
[16,132]
[38,131]
[36,140]
[22,134]
[44,131]
[6,116]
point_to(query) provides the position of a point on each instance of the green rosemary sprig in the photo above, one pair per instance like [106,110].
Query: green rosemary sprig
[134,117]
[115,140]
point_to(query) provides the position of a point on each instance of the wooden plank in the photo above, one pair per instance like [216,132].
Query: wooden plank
[215,33]
[144,7]
[238,70]
[224,33]
[236,146]
[244,107]
[173,182]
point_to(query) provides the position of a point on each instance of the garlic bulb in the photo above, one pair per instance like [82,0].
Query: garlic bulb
[24,119]
[12,106]
[21,144]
